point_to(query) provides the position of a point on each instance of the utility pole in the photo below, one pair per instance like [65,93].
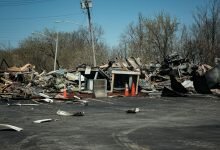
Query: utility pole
[87,4]
[55,56]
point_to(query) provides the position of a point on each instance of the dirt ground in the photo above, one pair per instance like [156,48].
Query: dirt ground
[162,124]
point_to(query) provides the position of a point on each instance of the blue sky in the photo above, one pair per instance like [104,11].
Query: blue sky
[19,18]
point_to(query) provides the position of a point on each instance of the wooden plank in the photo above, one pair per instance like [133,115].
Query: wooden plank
[125,72]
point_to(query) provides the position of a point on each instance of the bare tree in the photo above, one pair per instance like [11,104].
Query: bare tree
[206,31]
[133,41]
[186,46]
[73,49]
[150,38]
[160,34]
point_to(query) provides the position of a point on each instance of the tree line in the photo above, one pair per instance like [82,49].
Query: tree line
[74,48]
[151,39]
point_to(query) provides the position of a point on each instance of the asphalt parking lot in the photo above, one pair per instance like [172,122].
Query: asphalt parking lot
[162,124]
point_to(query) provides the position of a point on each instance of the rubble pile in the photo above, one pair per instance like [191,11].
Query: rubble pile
[26,83]
[175,76]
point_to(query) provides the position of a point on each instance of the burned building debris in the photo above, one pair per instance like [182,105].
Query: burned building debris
[174,76]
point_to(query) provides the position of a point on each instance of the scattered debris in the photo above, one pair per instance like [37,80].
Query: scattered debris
[48,100]
[187,84]
[133,110]
[80,113]
[42,120]
[10,127]
[64,113]
[76,97]
[216,92]
[44,95]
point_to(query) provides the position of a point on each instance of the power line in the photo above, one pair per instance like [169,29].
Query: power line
[7,3]
[40,17]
